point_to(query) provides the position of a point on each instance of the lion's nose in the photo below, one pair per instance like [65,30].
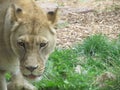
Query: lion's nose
[31,68]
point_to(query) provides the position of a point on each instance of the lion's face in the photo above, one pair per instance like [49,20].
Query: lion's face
[34,49]
[32,39]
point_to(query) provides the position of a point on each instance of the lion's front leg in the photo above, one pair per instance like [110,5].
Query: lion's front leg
[19,83]
[3,85]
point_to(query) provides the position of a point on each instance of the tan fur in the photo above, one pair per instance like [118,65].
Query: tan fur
[26,40]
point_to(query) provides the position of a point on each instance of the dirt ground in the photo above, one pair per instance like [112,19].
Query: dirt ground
[79,19]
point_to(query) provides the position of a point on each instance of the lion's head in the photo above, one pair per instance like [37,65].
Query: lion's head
[32,37]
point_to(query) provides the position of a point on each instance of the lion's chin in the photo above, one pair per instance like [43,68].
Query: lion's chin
[32,77]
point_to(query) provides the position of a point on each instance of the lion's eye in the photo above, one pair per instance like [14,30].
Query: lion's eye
[22,44]
[43,44]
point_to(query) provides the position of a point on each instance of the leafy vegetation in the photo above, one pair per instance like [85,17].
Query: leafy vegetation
[92,65]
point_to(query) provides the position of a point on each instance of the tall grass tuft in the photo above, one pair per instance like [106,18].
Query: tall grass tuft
[95,44]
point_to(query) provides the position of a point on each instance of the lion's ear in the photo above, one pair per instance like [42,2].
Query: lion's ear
[53,16]
[13,13]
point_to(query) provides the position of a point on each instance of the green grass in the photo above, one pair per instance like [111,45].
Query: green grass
[96,44]
[95,56]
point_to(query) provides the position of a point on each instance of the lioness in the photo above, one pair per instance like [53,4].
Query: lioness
[27,38]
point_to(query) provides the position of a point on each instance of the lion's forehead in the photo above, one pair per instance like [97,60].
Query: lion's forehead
[35,26]
[36,16]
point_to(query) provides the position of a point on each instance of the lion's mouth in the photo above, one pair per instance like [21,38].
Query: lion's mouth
[31,76]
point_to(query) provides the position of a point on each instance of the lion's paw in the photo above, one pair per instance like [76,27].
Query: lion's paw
[21,86]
